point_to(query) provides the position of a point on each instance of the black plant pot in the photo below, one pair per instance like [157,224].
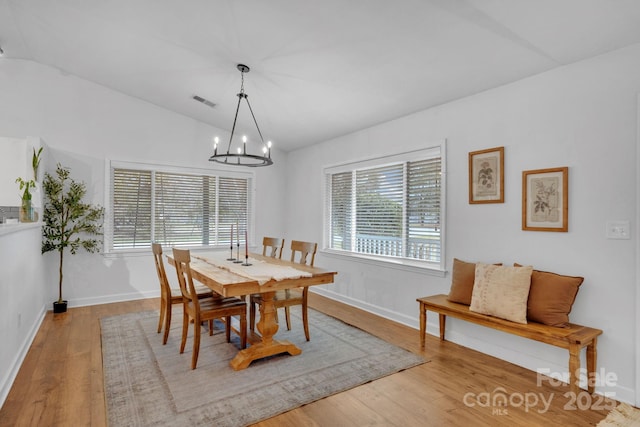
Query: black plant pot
[60,306]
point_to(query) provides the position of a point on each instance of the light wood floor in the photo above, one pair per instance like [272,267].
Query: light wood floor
[61,382]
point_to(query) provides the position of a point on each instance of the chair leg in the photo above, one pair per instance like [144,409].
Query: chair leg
[227,327]
[305,313]
[196,344]
[185,327]
[305,320]
[288,318]
[210,327]
[163,308]
[167,323]
[243,330]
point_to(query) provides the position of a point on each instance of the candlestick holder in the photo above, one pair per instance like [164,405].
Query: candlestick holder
[237,260]
[246,261]
[231,258]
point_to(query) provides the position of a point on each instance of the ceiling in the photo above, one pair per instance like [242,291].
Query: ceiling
[318,69]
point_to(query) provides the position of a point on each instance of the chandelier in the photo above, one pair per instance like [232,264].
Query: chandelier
[240,157]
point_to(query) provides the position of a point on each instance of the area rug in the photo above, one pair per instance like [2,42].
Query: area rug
[147,383]
[622,416]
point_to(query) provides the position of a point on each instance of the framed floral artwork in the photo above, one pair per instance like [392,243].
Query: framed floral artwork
[486,176]
[545,199]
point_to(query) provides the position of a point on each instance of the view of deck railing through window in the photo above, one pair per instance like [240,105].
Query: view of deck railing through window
[387,207]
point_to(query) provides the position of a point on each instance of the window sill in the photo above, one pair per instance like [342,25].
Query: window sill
[398,264]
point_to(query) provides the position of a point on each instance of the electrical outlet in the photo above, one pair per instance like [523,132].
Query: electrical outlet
[618,230]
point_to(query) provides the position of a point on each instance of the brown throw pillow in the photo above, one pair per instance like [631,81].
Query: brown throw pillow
[463,275]
[551,297]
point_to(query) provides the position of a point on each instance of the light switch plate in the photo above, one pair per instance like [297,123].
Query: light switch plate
[618,230]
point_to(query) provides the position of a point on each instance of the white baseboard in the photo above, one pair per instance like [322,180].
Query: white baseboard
[6,384]
[108,299]
[403,319]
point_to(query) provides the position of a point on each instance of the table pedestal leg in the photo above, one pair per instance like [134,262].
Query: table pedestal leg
[267,327]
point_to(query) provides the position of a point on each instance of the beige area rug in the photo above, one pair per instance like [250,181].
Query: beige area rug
[623,416]
[147,383]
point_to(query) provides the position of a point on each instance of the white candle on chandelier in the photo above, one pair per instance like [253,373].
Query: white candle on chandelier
[244,143]
[215,145]
[269,147]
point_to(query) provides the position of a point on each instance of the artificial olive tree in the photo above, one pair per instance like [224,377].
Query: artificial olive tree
[68,221]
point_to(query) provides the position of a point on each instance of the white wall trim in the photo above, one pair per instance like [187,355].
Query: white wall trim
[14,368]
[637,236]
[374,309]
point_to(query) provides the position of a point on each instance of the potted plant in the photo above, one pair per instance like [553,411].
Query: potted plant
[27,213]
[68,222]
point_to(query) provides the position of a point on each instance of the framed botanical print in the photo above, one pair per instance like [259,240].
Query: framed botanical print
[486,176]
[545,199]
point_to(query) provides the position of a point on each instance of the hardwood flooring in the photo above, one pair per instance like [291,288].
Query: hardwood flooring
[61,384]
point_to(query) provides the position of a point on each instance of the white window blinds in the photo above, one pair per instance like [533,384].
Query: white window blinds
[131,209]
[175,208]
[389,207]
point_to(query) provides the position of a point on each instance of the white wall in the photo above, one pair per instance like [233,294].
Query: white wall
[83,124]
[22,306]
[582,116]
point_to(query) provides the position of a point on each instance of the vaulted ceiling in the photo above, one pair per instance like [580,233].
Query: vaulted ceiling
[318,69]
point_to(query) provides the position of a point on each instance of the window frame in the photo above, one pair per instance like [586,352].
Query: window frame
[110,165]
[432,150]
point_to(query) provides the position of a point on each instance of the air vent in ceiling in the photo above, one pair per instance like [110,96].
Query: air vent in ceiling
[204,101]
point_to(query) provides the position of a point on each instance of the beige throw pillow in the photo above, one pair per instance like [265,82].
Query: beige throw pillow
[501,291]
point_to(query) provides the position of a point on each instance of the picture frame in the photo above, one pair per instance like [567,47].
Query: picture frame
[486,176]
[545,199]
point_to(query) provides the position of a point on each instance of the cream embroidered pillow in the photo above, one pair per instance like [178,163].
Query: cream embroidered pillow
[501,291]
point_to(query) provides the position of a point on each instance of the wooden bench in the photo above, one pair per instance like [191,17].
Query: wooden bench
[573,337]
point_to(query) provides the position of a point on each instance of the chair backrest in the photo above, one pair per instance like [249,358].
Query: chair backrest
[273,245]
[165,288]
[182,258]
[304,249]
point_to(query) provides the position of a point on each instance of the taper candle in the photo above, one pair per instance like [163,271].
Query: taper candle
[246,245]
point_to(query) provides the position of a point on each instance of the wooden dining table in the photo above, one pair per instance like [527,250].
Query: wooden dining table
[227,283]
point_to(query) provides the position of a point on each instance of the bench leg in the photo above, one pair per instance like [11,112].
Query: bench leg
[592,358]
[574,368]
[443,320]
[423,324]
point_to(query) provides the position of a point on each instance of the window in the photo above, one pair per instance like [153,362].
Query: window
[388,208]
[175,207]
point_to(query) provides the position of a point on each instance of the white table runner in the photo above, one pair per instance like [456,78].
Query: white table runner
[260,271]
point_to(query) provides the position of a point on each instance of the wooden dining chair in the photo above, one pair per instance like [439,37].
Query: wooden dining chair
[273,246]
[205,309]
[169,295]
[306,253]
